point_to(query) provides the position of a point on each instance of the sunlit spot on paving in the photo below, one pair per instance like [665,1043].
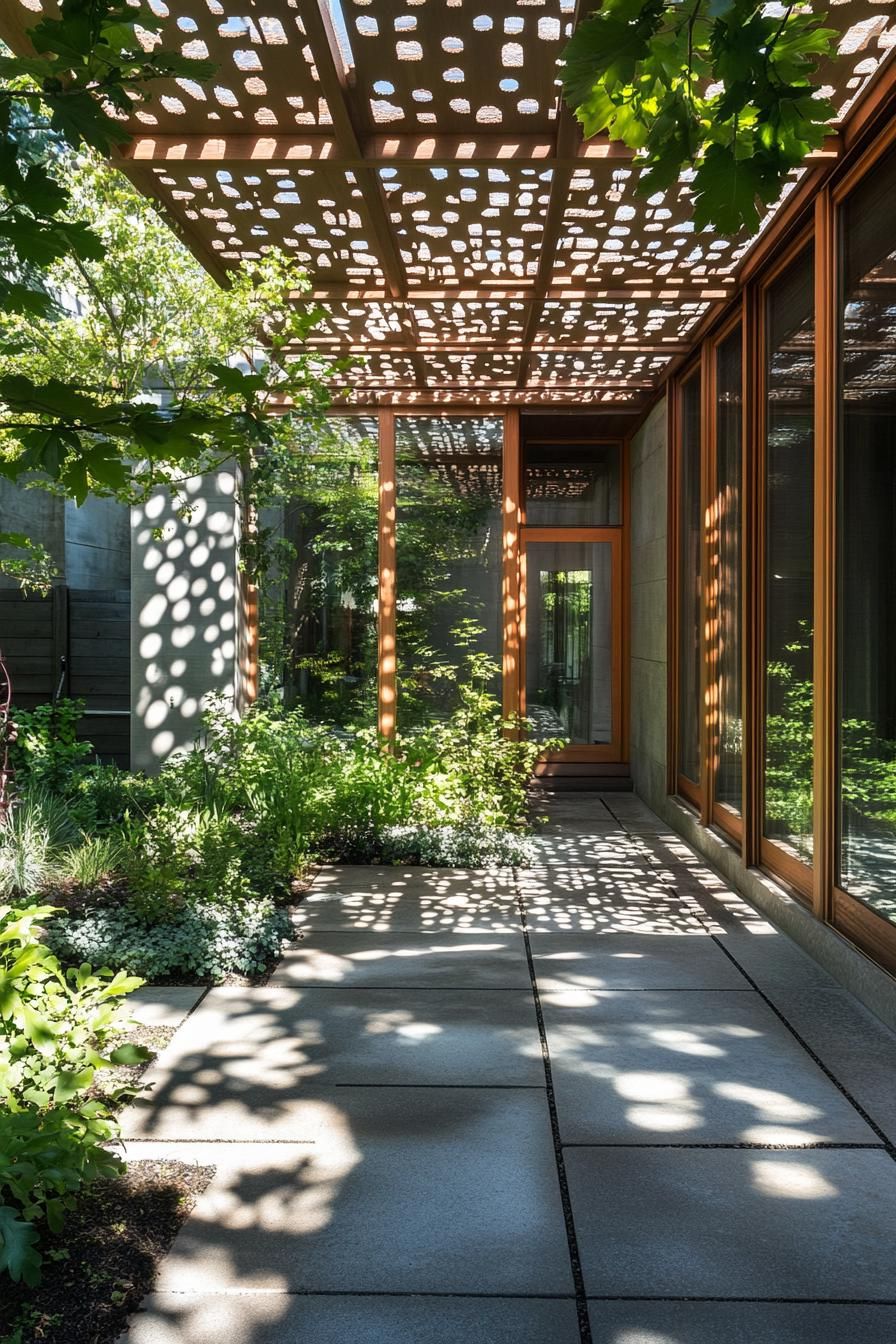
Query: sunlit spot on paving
[379,1117]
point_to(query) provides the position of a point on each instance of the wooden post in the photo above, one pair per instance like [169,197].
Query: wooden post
[511,587]
[386,649]
[752,544]
[709,584]
[824,670]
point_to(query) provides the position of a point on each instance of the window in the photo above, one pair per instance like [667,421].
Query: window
[690,592]
[328,625]
[572,484]
[727,571]
[448,560]
[789,473]
[867,543]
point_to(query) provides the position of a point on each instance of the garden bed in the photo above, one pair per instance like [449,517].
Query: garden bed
[98,1270]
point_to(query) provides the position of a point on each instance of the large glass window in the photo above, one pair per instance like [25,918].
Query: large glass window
[789,473]
[689,583]
[448,560]
[728,473]
[572,484]
[867,532]
[327,629]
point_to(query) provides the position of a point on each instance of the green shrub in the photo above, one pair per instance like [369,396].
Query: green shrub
[47,751]
[101,797]
[93,861]
[201,941]
[33,836]
[56,1032]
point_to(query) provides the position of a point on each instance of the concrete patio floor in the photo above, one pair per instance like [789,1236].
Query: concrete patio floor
[600,1099]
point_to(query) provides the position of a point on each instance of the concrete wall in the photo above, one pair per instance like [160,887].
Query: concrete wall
[40,516]
[90,545]
[97,544]
[187,613]
[649,670]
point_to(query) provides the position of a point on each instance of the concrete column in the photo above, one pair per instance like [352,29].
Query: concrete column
[187,613]
[649,661]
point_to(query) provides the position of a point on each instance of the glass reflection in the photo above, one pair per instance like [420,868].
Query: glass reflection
[867,480]
[790,437]
[690,589]
[569,633]
[729,461]
[448,561]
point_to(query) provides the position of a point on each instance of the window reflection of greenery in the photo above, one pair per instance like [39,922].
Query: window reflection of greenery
[564,661]
[321,640]
[319,627]
[867,760]
[439,625]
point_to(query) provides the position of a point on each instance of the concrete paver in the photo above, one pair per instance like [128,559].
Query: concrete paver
[406,1190]
[281,1318]
[360,959]
[394,1162]
[687,1066]
[690,1222]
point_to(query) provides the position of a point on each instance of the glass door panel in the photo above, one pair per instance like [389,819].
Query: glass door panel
[571,641]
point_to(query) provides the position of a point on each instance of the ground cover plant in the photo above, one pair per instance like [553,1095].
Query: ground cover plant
[190,874]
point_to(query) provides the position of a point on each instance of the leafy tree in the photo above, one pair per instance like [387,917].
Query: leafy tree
[74,410]
[726,87]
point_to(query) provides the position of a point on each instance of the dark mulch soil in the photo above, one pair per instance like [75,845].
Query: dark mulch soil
[99,1269]
[129,1075]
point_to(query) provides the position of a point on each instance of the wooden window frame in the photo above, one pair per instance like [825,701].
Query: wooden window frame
[728,819]
[865,140]
[770,855]
[612,751]
[869,931]
[680,785]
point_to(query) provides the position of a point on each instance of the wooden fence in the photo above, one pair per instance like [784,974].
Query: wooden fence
[75,642]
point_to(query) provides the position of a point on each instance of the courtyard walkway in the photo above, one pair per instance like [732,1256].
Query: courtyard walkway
[599,1099]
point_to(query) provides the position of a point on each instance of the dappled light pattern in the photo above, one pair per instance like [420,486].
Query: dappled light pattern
[416,157]
[612,898]
[185,595]
[442,900]
[687,1065]
[386,1143]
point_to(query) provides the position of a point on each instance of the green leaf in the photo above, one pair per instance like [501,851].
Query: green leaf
[37,1028]
[18,297]
[725,191]
[18,1243]
[131,1054]
[235,380]
[69,1082]
[639,73]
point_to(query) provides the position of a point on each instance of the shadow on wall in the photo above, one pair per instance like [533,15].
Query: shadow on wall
[186,602]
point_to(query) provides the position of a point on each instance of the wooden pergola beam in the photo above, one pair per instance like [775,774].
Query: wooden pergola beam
[510,291]
[328,58]
[483,346]
[507,384]
[441,150]
[568,138]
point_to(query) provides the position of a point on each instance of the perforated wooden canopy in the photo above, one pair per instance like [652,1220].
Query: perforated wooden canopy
[415,156]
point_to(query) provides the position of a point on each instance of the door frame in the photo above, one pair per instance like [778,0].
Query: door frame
[611,751]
